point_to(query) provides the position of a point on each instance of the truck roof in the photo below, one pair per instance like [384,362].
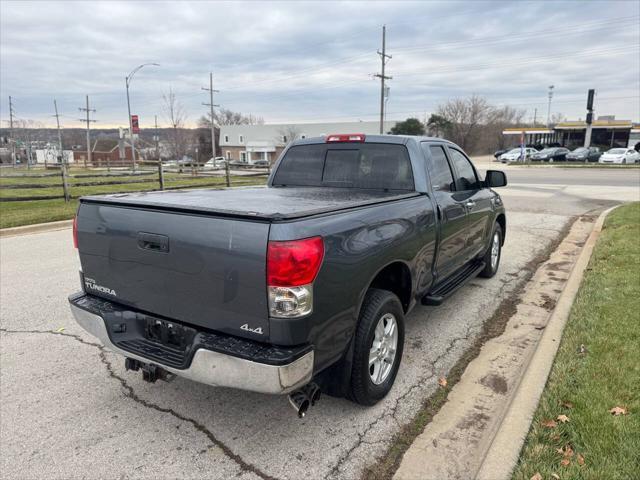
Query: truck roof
[390,139]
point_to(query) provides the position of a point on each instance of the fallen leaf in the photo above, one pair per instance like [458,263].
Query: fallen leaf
[582,349]
[442,382]
[555,437]
[61,329]
[580,459]
[562,418]
[618,411]
[549,424]
[566,404]
[536,476]
[556,476]
[565,462]
[566,451]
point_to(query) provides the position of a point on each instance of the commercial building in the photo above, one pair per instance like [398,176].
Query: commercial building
[606,133]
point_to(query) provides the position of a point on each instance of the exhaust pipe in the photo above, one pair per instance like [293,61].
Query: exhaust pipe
[304,398]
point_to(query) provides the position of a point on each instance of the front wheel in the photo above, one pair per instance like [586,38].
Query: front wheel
[492,256]
[378,345]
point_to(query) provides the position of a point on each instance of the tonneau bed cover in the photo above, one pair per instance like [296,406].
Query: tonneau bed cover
[256,203]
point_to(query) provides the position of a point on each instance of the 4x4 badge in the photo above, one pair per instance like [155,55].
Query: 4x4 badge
[253,330]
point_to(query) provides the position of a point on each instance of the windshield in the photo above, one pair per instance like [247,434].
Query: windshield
[548,150]
[580,150]
[348,165]
[617,151]
[515,150]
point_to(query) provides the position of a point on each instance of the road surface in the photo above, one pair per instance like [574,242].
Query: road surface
[70,410]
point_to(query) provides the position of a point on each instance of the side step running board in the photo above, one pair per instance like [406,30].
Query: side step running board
[437,296]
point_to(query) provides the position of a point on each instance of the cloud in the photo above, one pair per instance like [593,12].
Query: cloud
[295,61]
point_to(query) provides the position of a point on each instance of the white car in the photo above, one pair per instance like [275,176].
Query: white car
[218,162]
[620,155]
[513,155]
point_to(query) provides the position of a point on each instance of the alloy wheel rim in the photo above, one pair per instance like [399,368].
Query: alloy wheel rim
[495,250]
[382,353]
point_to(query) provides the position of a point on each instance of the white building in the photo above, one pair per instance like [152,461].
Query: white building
[250,143]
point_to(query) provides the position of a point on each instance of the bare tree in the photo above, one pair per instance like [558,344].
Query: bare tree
[229,117]
[497,120]
[26,131]
[466,115]
[176,116]
[288,134]
[557,118]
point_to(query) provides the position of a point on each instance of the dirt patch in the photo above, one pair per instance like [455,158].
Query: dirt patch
[548,303]
[497,383]
[476,420]
[557,265]
[416,344]
[388,463]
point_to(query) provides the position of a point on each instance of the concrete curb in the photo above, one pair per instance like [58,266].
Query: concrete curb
[504,452]
[37,228]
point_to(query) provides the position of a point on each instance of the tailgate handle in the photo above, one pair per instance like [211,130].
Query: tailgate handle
[153,242]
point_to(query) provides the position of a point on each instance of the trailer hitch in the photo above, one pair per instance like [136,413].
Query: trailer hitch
[150,372]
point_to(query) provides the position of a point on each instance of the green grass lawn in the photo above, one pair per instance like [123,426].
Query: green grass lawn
[605,319]
[13,214]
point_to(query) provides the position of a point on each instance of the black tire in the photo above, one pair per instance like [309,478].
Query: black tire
[489,269]
[376,304]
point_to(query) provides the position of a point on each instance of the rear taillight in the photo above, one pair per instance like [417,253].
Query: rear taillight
[345,137]
[292,267]
[75,231]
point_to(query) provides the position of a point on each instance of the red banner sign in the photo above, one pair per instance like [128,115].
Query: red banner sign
[135,128]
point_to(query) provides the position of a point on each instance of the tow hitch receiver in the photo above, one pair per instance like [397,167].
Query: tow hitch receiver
[150,372]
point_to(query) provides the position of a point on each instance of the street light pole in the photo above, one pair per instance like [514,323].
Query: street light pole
[127,81]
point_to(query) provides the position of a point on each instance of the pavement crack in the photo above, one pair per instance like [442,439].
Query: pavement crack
[130,393]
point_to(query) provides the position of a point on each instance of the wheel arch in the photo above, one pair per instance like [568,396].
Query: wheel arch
[501,220]
[396,278]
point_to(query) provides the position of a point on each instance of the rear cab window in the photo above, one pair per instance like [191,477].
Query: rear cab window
[347,165]
[439,169]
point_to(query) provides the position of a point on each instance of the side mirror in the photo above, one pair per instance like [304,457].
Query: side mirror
[495,178]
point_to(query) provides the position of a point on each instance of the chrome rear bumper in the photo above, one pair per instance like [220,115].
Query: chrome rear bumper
[214,368]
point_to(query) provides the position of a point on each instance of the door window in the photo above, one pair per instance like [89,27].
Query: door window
[466,178]
[439,169]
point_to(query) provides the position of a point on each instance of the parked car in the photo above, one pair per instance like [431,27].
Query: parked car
[584,154]
[620,155]
[217,162]
[553,154]
[515,154]
[261,163]
[300,286]
[498,153]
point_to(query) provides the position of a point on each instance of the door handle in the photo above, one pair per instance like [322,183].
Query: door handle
[470,204]
[153,242]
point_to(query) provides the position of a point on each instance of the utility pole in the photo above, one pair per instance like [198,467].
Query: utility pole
[87,159]
[549,108]
[63,167]
[213,128]
[535,116]
[156,138]
[11,139]
[382,76]
[160,172]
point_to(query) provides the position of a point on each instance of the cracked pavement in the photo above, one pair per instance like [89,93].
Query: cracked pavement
[70,410]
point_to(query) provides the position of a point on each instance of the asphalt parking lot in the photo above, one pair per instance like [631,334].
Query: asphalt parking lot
[69,409]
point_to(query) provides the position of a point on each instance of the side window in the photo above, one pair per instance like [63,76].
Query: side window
[466,178]
[439,169]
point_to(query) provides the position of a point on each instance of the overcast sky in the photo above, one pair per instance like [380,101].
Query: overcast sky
[312,62]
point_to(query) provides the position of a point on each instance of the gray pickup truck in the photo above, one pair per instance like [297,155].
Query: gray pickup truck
[296,288]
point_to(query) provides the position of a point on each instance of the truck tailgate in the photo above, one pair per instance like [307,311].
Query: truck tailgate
[203,270]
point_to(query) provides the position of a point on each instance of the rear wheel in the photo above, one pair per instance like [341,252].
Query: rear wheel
[492,256]
[378,346]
